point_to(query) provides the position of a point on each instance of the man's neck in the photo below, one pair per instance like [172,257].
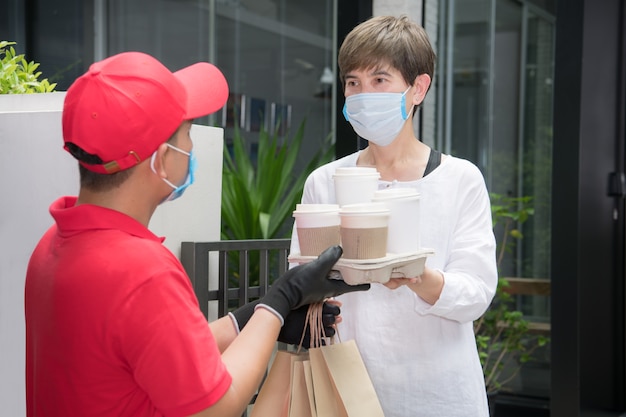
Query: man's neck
[119,200]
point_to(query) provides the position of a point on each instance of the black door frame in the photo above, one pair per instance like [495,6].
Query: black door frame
[588,370]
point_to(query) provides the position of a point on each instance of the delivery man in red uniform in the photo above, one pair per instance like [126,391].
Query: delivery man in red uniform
[113,326]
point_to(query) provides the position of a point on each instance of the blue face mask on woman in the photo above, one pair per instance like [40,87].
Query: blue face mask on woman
[178,190]
[377,117]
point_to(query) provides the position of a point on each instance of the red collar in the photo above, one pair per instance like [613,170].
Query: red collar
[72,219]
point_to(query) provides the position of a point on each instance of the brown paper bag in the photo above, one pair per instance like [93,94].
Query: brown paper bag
[308,379]
[341,384]
[327,381]
[327,400]
[351,380]
[299,405]
[273,398]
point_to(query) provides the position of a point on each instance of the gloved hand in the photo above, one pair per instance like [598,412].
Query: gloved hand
[295,322]
[307,284]
[296,325]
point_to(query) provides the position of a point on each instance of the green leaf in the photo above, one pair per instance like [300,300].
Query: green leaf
[264,223]
[17,75]
[259,196]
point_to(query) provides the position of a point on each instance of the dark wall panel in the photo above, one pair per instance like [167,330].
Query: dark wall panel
[587,329]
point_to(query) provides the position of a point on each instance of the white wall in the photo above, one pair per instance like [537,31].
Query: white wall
[196,215]
[35,170]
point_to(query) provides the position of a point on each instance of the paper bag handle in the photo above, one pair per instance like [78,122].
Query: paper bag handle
[314,320]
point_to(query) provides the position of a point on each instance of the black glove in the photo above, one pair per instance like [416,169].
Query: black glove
[243,314]
[307,284]
[295,322]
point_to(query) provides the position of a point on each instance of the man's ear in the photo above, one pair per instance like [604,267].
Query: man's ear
[159,160]
[421,84]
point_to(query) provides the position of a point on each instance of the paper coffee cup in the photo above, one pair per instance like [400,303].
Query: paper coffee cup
[354,185]
[318,227]
[364,230]
[404,205]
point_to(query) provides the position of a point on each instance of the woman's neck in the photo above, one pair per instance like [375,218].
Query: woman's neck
[405,159]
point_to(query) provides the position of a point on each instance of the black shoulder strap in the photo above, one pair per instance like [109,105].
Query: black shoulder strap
[433,161]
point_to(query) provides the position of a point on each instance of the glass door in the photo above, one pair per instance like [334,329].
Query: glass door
[498,114]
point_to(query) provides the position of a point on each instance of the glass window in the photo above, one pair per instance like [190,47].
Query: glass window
[470,69]
[56,35]
[273,54]
[537,147]
[499,85]
[276,54]
[12,24]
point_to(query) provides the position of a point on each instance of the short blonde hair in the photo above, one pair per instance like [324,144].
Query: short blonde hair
[388,40]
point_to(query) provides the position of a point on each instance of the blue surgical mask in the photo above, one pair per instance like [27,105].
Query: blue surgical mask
[377,117]
[178,190]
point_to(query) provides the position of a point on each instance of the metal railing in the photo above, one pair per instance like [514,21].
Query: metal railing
[195,257]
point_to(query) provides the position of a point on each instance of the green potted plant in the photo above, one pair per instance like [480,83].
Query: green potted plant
[259,195]
[18,76]
[502,334]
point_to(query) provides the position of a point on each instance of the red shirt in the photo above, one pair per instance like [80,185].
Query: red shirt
[113,326]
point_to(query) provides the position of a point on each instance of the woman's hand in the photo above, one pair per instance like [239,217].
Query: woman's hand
[395,283]
[427,286]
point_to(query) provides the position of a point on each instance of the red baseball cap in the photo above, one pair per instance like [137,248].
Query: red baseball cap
[126,105]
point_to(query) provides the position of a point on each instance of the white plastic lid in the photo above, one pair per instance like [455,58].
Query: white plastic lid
[349,171]
[316,208]
[364,209]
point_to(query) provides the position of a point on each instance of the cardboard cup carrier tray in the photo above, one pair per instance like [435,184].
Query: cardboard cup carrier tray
[359,271]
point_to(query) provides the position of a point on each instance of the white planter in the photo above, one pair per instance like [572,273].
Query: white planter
[35,170]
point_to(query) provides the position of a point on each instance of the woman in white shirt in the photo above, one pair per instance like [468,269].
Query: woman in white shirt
[415,334]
